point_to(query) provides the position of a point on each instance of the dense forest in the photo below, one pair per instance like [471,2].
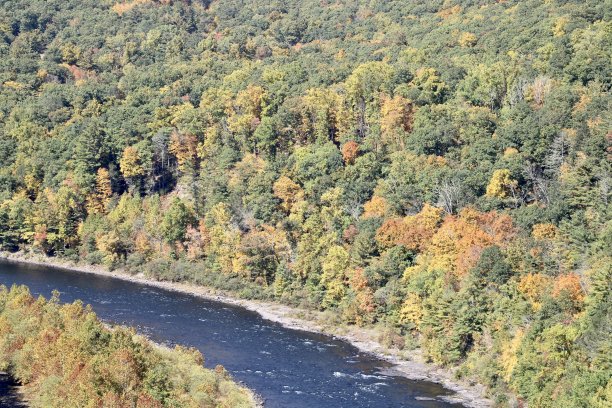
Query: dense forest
[439,169]
[66,357]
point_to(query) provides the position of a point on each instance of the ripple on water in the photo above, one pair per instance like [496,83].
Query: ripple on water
[371,388]
[378,377]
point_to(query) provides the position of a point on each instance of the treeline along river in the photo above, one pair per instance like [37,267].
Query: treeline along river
[286,367]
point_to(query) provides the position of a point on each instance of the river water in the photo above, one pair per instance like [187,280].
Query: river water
[286,367]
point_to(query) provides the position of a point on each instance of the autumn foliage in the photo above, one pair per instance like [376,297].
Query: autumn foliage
[376,207]
[64,356]
[569,285]
[397,116]
[458,243]
[452,243]
[184,148]
[414,231]
[288,191]
[349,151]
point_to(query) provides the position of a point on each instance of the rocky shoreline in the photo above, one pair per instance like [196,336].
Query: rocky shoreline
[408,364]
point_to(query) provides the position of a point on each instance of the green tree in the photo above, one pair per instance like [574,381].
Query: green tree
[176,219]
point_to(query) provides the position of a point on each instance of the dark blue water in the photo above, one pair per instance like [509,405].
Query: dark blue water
[9,396]
[287,368]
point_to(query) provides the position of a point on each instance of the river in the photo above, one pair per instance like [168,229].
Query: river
[288,368]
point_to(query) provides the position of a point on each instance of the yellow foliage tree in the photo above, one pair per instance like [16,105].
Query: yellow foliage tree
[508,357]
[334,275]
[130,163]
[501,184]
[429,82]
[467,39]
[533,286]
[412,310]
[288,191]
[322,114]
[224,237]
[184,148]
[245,114]
[544,231]
[251,101]
[376,207]
[396,117]
[99,199]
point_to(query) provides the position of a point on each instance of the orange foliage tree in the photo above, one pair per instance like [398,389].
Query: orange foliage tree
[414,231]
[569,284]
[364,295]
[349,151]
[457,244]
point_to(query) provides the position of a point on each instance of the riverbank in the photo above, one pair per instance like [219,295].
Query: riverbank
[257,399]
[409,364]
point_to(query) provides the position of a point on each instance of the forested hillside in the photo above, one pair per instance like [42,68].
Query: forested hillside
[438,168]
[65,357]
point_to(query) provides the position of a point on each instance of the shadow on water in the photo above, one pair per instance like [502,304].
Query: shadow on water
[287,368]
[9,395]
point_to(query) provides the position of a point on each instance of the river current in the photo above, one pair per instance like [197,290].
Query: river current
[286,367]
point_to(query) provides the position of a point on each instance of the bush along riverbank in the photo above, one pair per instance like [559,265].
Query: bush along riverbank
[65,357]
